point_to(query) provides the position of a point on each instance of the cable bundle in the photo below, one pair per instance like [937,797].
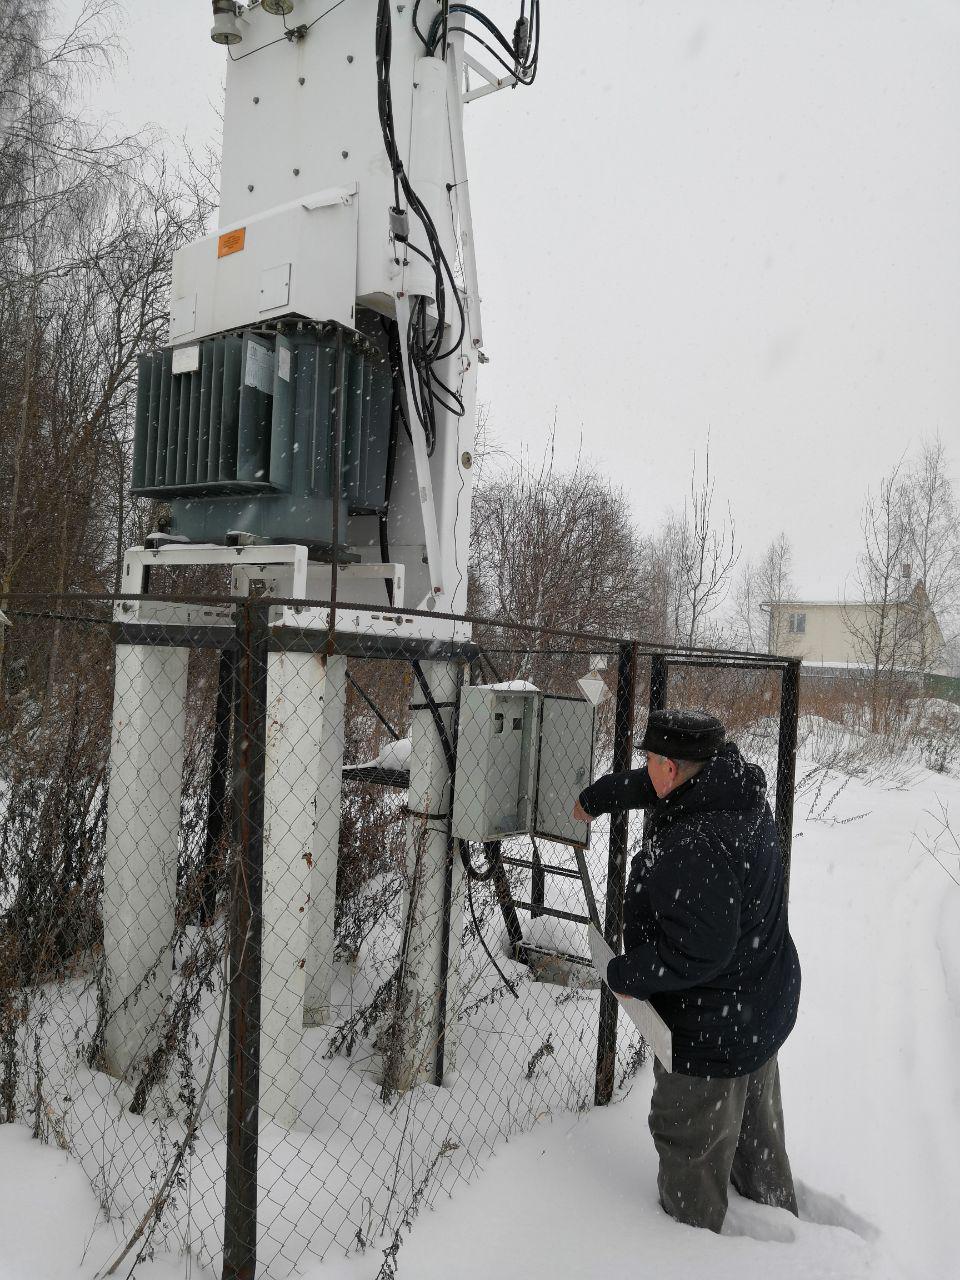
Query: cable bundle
[424,338]
[519,57]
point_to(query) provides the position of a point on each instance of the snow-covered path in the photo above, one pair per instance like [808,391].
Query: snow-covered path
[871,1093]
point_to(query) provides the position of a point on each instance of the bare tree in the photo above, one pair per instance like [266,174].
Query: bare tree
[932,551]
[694,562]
[88,226]
[761,589]
[558,550]
[875,619]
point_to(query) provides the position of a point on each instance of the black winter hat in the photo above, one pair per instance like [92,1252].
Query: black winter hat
[683,735]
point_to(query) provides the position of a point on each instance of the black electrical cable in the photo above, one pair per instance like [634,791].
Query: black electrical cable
[416,25]
[483,942]
[485,657]
[468,11]
[397,419]
[396,366]
[425,348]
[510,69]
[385,554]
[523,51]
[394,733]
[457,407]
[449,755]
[441,728]
[239,57]
[321,16]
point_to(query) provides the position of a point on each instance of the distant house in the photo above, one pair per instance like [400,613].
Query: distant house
[839,634]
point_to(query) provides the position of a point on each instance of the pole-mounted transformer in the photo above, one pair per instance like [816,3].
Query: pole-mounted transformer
[309,426]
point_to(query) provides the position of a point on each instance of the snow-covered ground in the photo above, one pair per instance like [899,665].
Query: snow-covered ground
[871,1081]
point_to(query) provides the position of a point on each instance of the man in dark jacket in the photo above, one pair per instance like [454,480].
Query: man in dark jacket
[706,942]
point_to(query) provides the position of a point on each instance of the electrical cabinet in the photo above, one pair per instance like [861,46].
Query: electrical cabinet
[522,759]
[496,762]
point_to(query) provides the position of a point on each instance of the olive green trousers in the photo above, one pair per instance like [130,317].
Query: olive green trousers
[709,1133]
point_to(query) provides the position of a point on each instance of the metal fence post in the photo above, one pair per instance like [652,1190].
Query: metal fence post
[616,868]
[493,852]
[659,675]
[243,1065]
[217,795]
[538,882]
[658,681]
[787,762]
[453,850]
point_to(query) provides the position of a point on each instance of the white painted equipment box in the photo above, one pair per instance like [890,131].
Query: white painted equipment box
[522,759]
[496,762]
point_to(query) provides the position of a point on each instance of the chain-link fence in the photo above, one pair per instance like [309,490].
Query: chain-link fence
[293,919]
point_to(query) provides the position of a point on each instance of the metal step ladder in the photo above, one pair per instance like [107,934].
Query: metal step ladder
[523,951]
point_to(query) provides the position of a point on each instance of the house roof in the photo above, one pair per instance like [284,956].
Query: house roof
[912,590]
[802,604]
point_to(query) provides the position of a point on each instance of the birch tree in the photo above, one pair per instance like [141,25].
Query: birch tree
[874,617]
[763,586]
[932,551]
[695,558]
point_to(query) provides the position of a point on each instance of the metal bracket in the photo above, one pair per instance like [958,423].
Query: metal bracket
[249,560]
[395,571]
[461,193]
[329,198]
[423,814]
[494,83]
[138,559]
[424,480]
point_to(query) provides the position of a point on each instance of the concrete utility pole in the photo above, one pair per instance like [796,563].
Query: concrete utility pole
[435,889]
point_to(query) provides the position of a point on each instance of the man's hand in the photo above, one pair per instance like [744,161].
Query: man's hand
[580,814]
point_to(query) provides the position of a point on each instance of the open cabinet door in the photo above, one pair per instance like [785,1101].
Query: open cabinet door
[567,732]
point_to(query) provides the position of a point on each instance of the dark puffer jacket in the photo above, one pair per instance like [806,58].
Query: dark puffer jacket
[705,916]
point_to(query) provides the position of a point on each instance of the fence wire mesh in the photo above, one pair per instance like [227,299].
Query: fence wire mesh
[293,927]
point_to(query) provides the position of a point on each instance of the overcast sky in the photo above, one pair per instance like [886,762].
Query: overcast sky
[734,219]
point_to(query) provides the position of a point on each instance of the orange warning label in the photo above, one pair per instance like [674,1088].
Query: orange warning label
[231,242]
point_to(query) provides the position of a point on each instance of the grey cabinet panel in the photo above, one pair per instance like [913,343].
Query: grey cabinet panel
[522,759]
[496,762]
[566,767]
